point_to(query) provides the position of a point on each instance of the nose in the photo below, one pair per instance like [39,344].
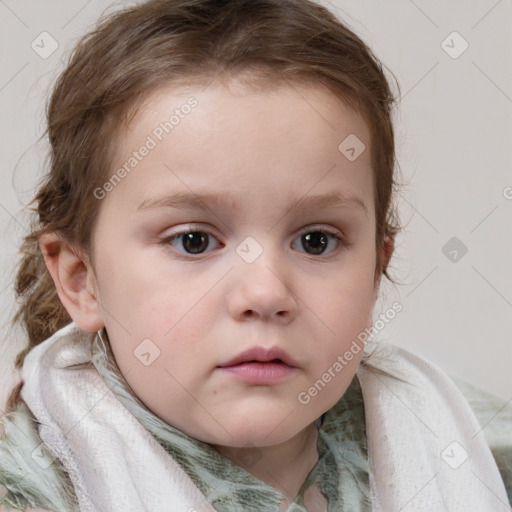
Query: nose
[260,291]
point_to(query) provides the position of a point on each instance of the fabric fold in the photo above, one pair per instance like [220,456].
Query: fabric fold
[119,455]
[426,450]
[105,450]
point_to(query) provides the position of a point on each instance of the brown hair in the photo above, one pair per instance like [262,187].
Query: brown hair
[136,50]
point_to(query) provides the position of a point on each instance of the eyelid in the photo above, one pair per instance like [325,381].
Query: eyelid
[319,227]
[191,228]
[336,233]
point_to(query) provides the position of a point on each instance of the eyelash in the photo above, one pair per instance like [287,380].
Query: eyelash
[338,238]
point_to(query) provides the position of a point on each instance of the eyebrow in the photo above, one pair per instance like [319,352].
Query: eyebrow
[227,201]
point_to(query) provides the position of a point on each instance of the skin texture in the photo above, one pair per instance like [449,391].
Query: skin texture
[268,149]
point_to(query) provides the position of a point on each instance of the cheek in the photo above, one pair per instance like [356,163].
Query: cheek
[176,311]
[347,295]
[145,294]
[345,314]
[342,308]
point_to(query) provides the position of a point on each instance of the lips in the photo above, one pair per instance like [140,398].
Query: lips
[261,355]
[260,367]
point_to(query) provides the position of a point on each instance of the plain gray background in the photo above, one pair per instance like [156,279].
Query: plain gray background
[454,137]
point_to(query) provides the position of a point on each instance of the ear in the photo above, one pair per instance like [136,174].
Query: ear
[386,251]
[74,280]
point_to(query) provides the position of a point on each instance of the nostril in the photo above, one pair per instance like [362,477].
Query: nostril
[251,313]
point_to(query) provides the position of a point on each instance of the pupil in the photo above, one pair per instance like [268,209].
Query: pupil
[317,242]
[195,242]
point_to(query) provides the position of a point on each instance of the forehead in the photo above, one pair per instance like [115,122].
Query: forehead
[289,137]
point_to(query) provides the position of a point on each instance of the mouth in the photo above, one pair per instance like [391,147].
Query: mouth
[255,355]
[258,366]
[277,361]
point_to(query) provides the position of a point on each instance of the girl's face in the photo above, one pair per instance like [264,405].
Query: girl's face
[241,224]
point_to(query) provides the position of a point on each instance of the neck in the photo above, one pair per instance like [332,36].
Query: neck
[284,466]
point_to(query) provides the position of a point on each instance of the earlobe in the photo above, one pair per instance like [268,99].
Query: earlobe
[74,280]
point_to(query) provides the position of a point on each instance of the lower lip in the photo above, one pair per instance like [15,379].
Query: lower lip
[260,373]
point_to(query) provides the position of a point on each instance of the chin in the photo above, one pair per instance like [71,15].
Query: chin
[260,432]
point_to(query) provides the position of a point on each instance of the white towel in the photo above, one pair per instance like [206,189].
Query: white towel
[426,450]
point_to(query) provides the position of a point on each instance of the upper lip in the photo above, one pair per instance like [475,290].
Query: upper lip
[261,354]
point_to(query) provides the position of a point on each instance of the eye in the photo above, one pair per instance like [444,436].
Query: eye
[191,241]
[319,242]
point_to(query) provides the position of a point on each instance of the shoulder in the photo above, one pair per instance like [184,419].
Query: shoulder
[431,393]
[494,414]
[27,485]
[421,380]
[3,509]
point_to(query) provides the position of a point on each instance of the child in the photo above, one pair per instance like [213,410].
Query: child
[199,286]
